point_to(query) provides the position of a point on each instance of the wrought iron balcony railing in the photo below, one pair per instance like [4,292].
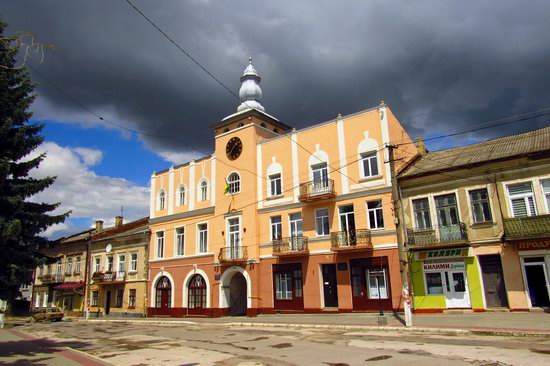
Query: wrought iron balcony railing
[52,278]
[319,189]
[233,254]
[350,240]
[108,276]
[530,227]
[438,236]
[294,245]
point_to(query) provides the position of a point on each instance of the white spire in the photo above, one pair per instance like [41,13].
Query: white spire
[250,92]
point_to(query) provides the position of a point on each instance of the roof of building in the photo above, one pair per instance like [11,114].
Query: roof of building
[129,228]
[528,143]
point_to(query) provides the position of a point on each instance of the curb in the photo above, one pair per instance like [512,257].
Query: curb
[429,330]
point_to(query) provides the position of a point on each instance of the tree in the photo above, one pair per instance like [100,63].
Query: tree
[21,220]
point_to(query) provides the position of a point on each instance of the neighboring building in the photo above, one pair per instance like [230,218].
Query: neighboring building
[62,283]
[478,224]
[278,219]
[118,267]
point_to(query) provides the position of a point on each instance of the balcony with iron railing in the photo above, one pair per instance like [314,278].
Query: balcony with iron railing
[52,278]
[233,254]
[319,189]
[529,227]
[438,236]
[291,246]
[109,276]
[358,239]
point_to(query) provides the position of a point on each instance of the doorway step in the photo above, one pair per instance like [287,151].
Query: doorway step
[458,311]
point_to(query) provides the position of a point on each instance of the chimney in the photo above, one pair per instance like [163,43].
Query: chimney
[420,146]
[118,221]
[98,225]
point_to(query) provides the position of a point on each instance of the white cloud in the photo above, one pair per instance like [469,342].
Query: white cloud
[88,195]
[176,158]
[55,229]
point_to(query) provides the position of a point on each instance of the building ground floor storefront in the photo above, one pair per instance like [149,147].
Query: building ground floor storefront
[67,296]
[124,298]
[365,280]
[480,277]
[535,270]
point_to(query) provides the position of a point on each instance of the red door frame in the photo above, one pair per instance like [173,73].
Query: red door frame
[296,303]
[364,302]
[163,291]
[199,291]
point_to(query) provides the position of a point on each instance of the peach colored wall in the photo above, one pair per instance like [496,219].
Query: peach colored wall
[406,150]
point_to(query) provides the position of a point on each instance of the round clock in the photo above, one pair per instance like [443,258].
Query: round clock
[108,248]
[234,148]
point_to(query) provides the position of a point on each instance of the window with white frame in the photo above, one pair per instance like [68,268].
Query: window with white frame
[133,262]
[203,193]
[275,185]
[319,172]
[44,299]
[180,238]
[110,263]
[283,286]
[322,226]
[181,196]
[369,161]
[77,265]
[121,263]
[376,215]
[69,269]
[276,228]
[233,183]
[481,209]
[376,280]
[58,267]
[422,217]
[38,300]
[160,244]
[162,200]
[95,298]
[522,200]
[546,191]
[97,264]
[203,237]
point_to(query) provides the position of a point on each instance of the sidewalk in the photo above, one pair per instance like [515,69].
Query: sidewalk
[511,324]
[20,348]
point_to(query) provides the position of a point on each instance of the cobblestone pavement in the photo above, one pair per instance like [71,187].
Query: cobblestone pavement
[139,344]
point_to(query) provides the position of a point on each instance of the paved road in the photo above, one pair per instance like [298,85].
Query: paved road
[208,344]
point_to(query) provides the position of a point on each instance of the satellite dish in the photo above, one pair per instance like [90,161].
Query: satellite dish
[108,248]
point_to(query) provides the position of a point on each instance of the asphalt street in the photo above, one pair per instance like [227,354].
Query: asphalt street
[217,344]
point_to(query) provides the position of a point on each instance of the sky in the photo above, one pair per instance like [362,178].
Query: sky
[442,66]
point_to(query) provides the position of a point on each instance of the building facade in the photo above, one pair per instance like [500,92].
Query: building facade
[118,267]
[62,283]
[278,220]
[478,224]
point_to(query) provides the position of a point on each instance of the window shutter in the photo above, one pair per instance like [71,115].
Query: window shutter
[519,208]
[522,188]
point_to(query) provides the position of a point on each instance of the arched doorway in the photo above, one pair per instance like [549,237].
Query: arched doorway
[163,296]
[237,295]
[196,300]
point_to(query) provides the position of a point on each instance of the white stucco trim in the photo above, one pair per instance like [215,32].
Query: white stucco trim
[171,194]
[385,140]
[213,183]
[342,154]
[259,180]
[191,185]
[185,291]
[152,198]
[224,286]
[295,176]
[154,284]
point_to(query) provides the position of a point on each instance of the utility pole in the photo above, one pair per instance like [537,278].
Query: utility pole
[399,226]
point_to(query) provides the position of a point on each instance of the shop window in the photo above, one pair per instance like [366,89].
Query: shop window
[434,283]
[95,298]
[197,292]
[422,217]
[376,215]
[376,280]
[132,298]
[481,209]
[283,286]
[119,298]
[321,222]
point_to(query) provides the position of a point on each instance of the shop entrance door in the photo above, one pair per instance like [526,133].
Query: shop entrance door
[108,303]
[493,281]
[330,286]
[457,289]
[537,284]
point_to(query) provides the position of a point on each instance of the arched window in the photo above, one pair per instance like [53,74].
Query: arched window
[233,183]
[162,200]
[197,292]
[204,190]
[163,293]
[181,196]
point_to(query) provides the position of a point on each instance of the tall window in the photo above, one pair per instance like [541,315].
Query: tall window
[376,280]
[481,211]
[121,263]
[321,222]
[522,200]
[180,238]
[275,185]
[203,237]
[197,292]
[181,196]
[546,191]
[97,264]
[233,232]
[376,216]
[283,286]
[133,262]
[38,299]
[95,298]
[119,298]
[132,298]
[110,261]
[69,265]
[204,190]
[276,228]
[77,265]
[162,200]
[369,162]
[422,217]
[233,183]
[295,220]
[320,175]
[160,244]
[347,218]
[447,210]
[58,268]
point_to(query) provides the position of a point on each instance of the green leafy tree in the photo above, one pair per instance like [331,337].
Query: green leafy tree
[22,221]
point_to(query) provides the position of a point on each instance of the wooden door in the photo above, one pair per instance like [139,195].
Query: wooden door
[493,281]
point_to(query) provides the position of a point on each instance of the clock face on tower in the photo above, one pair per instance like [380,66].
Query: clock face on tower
[234,148]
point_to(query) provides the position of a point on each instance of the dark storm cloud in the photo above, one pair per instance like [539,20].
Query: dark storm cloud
[440,65]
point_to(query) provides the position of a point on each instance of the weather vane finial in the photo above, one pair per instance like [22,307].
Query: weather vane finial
[249,56]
